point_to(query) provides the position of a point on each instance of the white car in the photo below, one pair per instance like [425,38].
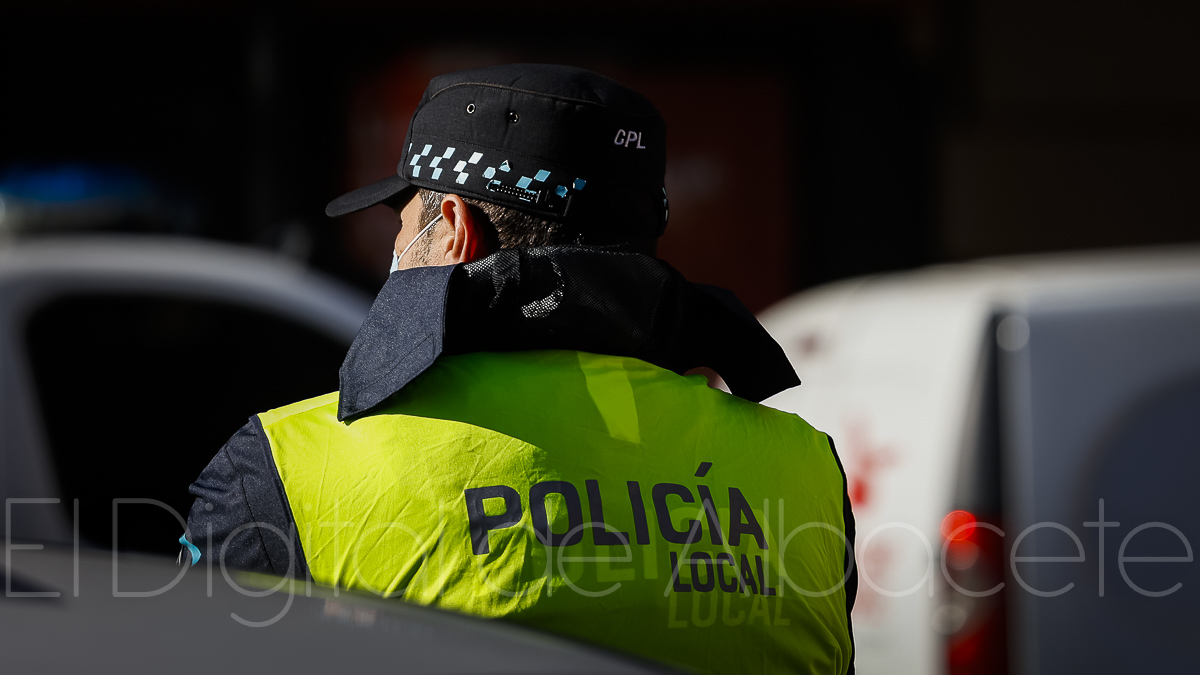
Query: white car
[1019,437]
[127,361]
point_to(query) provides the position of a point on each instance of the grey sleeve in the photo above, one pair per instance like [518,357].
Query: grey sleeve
[241,513]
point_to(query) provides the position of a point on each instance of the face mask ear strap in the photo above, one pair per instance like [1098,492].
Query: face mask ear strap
[396,258]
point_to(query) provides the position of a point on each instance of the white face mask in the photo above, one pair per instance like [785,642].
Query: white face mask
[396,258]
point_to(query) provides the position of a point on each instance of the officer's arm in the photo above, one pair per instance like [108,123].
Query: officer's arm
[240,514]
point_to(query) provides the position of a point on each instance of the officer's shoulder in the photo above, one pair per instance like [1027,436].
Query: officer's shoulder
[721,401]
[326,402]
[781,419]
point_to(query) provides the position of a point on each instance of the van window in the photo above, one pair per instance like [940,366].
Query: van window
[138,392]
[1148,469]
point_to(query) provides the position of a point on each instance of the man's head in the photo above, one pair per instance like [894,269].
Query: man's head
[525,155]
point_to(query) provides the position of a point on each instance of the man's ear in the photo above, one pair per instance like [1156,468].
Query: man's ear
[465,240]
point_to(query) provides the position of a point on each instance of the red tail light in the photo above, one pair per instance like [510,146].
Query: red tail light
[972,613]
[958,525]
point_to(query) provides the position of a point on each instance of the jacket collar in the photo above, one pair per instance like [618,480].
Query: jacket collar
[557,297]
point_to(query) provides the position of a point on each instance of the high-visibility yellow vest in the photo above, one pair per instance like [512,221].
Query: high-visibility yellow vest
[599,497]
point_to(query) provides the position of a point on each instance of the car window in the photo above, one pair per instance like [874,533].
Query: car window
[138,392]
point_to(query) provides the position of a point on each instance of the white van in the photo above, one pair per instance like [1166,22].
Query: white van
[1021,439]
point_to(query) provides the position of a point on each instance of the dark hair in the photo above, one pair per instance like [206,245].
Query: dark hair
[515,229]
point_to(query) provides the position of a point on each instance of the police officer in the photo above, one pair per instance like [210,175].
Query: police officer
[514,435]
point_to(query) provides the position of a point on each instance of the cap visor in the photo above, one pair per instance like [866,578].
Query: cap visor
[369,195]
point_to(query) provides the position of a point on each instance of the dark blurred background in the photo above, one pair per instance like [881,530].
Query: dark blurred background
[809,141]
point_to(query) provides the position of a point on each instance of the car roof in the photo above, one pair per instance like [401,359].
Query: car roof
[188,266]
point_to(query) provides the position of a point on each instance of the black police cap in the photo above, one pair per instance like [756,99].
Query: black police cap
[549,140]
